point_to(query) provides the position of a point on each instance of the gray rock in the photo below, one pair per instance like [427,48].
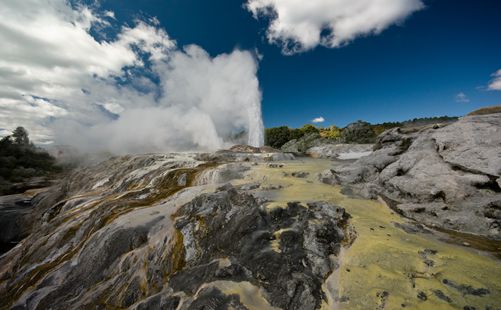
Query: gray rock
[300,174]
[340,151]
[15,220]
[132,232]
[301,145]
[306,240]
[451,172]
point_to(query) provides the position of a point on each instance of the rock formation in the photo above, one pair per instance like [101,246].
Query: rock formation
[358,132]
[153,232]
[447,177]
[340,151]
[301,145]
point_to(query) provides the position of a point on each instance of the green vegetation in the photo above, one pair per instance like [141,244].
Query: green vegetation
[278,136]
[358,132]
[20,160]
[331,132]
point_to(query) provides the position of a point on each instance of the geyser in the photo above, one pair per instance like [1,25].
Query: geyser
[134,92]
[206,103]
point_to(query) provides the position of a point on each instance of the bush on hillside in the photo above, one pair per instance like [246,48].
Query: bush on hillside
[359,132]
[308,128]
[331,132]
[277,136]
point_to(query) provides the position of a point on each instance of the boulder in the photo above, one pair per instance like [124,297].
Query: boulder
[453,171]
[301,145]
[340,151]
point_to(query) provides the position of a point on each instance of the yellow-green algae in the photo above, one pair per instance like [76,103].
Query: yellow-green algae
[385,258]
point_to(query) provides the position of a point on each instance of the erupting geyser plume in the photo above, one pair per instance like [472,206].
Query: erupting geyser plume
[256,127]
[134,92]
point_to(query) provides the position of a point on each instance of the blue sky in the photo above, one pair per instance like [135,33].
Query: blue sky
[157,75]
[414,69]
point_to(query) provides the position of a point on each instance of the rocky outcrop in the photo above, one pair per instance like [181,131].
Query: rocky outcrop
[151,232]
[238,154]
[357,139]
[358,132]
[340,151]
[251,149]
[15,220]
[285,253]
[301,145]
[448,177]
[7,188]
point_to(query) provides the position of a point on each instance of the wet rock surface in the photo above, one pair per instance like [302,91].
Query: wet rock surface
[166,231]
[152,232]
[15,220]
[287,251]
[444,177]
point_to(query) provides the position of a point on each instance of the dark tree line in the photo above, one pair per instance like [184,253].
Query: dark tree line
[21,160]
[278,136]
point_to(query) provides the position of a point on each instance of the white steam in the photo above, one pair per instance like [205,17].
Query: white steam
[205,104]
[139,92]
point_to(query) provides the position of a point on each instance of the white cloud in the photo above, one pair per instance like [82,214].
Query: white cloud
[462,98]
[62,83]
[495,84]
[319,119]
[299,25]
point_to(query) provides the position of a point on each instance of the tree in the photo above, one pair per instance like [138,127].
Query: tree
[277,136]
[332,132]
[308,128]
[6,142]
[20,160]
[21,136]
[295,134]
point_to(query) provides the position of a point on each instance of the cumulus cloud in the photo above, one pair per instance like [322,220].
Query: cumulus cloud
[462,98]
[136,92]
[495,84]
[319,119]
[298,25]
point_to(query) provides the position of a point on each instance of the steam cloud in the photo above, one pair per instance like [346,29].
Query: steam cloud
[137,92]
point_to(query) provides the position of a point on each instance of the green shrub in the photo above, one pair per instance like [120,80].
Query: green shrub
[332,132]
[277,136]
[359,132]
[308,128]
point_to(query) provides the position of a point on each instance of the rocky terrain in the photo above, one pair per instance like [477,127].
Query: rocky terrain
[447,177]
[313,144]
[255,228]
[340,151]
[157,232]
